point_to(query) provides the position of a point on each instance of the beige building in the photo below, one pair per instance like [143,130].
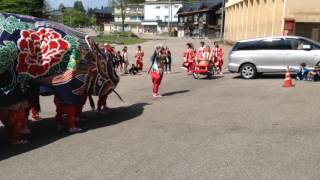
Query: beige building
[134,14]
[246,19]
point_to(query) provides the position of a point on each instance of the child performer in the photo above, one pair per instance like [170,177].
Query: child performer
[139,58]
[217,57]
[200,51]
[189,57]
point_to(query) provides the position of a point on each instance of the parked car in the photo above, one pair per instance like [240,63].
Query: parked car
[272,55]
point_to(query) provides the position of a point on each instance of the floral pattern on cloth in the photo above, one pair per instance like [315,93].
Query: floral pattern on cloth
[8,54]
[11,23]
[39,51]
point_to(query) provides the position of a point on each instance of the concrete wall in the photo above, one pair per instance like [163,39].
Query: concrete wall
[303,10]
[260,18]
[247,19]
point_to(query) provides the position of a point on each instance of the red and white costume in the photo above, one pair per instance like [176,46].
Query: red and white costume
[139,59]
[188,58]
[217,57]
[70,110]
[108,49]
[199,53]
[156,71]
[206,54]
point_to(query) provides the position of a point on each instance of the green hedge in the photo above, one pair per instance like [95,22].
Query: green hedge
[125,38]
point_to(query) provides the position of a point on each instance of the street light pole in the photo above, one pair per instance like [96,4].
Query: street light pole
[222,21]
[169,17]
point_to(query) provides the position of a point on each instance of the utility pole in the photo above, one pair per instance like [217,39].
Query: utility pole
[222,21]
[170,14]
[169,18]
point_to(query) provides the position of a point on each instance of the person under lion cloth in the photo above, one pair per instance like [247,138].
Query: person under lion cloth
[156,69]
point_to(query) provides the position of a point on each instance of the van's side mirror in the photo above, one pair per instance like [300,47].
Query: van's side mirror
[307,47]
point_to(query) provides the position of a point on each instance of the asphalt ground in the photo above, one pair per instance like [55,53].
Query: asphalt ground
[225,128]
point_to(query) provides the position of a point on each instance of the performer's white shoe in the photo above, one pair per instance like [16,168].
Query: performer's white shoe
[157,95]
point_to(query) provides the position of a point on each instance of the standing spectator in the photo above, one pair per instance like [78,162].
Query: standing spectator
[119,61]
[191,29]
[200,26]
[168,60]
[125,59]
[217,57]
[139,59]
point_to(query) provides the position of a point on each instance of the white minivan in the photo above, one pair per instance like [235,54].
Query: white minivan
[272,55]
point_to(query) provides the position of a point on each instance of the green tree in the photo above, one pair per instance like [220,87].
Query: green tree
[123,6]
[90,12]
[26,7]
[79,6]
[76,18]
[61,7]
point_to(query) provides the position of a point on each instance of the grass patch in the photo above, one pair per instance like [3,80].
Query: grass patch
[124,38]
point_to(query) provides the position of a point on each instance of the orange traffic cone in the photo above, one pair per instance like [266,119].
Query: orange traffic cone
[288,80]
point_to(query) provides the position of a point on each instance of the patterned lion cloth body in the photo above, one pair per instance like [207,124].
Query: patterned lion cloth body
[64,62]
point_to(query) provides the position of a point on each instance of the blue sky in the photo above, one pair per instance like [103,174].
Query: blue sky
[87,3]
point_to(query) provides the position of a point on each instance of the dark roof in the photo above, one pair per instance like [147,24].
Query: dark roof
[105,10]
[203,4]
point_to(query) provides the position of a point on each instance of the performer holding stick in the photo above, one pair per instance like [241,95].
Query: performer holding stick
[156,68]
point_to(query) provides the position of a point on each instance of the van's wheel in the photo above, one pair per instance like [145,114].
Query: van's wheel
[248,71]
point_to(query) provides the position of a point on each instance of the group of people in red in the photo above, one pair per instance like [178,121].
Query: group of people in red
[203,53]
[120,59]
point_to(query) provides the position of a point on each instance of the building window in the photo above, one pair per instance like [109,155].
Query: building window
[157,7]
[176,6]
[166,18]
[175,17]
[166,7]
[157,17]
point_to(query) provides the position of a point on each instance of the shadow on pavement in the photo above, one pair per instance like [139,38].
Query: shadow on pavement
[204,77]
[44,131]
[266,76]
[175,92]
